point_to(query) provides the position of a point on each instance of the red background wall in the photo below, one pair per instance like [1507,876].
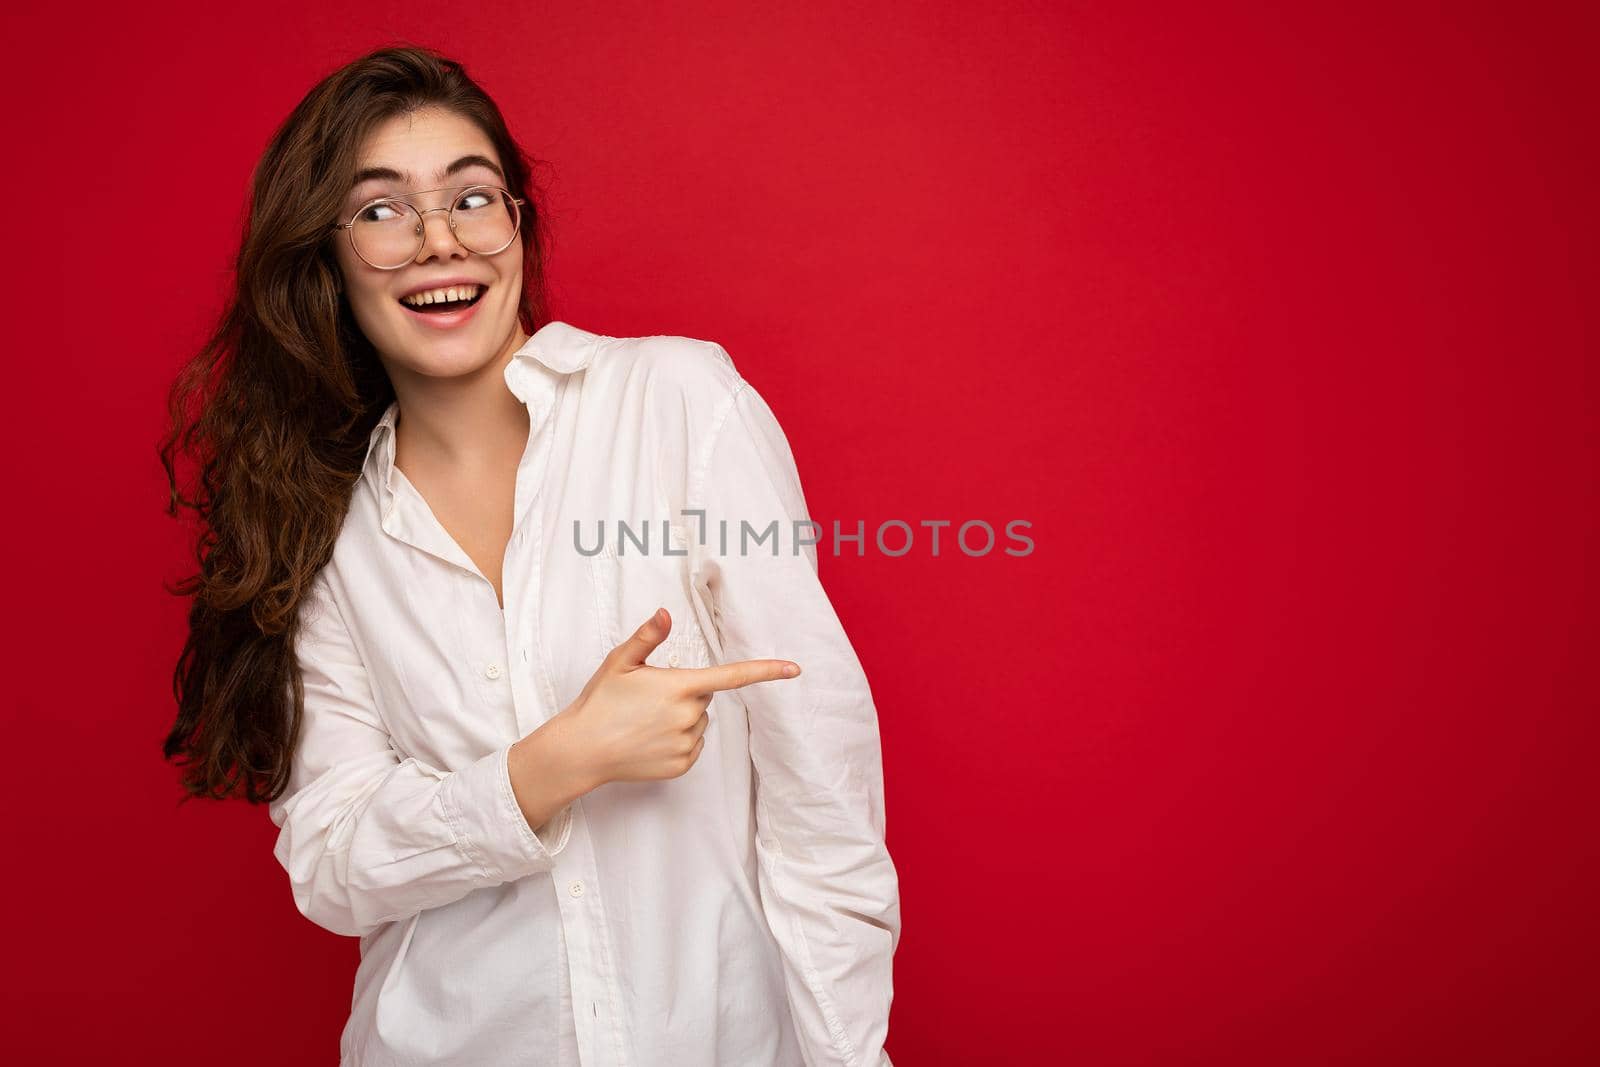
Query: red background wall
[1276,322]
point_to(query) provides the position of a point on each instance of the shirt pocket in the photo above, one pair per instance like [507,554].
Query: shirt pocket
[629,587]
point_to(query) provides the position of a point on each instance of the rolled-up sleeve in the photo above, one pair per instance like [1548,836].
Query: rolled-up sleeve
[367,837]
[828,886]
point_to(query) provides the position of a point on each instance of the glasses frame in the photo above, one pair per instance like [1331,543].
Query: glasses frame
[422,222]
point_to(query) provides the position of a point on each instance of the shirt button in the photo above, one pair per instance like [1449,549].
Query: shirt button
[492,671]
[576,889]
[524,653]
[672,659]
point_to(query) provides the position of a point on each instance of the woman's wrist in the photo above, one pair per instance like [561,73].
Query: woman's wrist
[546,774]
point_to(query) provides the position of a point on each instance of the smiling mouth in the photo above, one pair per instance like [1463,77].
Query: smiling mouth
[444,307]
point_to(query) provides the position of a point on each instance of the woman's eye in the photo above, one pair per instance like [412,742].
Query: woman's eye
[475,200]
[382,211]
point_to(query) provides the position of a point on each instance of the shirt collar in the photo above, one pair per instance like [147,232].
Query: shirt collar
[556,349]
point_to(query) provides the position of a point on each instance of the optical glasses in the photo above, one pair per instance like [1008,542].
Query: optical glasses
[387,233]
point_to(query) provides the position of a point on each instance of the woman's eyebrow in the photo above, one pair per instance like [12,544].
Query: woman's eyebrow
[385,173]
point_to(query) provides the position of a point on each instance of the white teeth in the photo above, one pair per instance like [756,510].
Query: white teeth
[435,296]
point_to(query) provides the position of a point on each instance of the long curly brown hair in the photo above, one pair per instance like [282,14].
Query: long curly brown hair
[276,408]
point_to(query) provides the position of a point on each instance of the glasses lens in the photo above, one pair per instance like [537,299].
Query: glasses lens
[486,219]
[386,233]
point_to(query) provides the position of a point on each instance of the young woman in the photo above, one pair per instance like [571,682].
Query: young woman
[574,802]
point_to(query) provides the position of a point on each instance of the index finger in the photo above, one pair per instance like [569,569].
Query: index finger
[741,673]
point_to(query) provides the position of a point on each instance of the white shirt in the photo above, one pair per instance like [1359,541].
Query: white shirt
[744,914]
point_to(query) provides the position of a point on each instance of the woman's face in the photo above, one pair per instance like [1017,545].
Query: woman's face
[426,150]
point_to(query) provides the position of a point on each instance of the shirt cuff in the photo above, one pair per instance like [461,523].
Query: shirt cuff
[489,826]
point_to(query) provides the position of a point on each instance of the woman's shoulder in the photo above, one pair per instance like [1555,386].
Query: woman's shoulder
[669,368]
